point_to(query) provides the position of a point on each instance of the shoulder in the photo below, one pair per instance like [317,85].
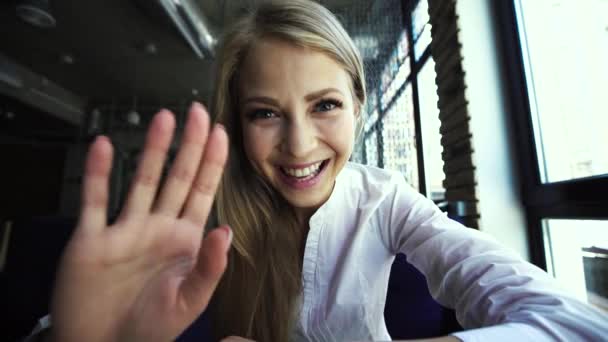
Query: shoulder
[354,172]
[371,178]
[371,184]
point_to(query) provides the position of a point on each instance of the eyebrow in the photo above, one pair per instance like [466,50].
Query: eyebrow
[308,97]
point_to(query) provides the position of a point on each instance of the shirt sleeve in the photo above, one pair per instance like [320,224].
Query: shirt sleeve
[491,288]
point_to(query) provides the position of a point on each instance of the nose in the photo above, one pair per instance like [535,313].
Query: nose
[299,137]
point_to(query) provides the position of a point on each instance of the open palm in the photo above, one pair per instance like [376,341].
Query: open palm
[151,273]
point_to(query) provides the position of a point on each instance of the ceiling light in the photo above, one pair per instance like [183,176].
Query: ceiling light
[36,12]
[67,59]
[194,26]
[151,49]
[133,118]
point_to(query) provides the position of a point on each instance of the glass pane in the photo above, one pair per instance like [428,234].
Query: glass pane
[423,41]
[370,121]
[565,49]
[402,47]
[357,155]
[392,80]
[420,16]
[577,256]
[431,138]
[371,149]
[399,138]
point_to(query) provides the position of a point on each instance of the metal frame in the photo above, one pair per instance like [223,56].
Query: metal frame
[415,66]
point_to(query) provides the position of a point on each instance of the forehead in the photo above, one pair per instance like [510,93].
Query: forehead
[277,66]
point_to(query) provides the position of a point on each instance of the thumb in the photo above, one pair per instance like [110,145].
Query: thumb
[199,286]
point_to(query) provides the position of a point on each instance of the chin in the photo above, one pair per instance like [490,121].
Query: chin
[306,201]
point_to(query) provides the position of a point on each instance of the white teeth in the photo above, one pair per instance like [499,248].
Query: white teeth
[305,172]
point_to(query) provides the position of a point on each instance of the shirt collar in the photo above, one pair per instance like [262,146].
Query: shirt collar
[320,215]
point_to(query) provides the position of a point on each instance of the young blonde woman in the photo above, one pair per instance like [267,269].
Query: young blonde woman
[313,236]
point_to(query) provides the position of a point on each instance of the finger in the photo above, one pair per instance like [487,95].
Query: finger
[209,174]
[94,202]
[184,169]
[149,170]
[211,264]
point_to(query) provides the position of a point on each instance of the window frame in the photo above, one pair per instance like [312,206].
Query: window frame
[571,199]
[407,7]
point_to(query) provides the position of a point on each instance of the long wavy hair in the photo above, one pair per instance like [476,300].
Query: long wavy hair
[258,295]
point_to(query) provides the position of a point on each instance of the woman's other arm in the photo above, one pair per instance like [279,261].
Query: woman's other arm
[491,288]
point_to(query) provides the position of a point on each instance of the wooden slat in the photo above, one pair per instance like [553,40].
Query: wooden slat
[460,132]
[448,104]
[453,121]
[461,162]
[460,182]
[459,179]
[466,193]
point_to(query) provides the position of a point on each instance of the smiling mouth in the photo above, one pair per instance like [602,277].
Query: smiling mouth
[306,173]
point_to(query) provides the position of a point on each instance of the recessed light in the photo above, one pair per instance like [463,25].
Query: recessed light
[151,49]
[36,13]
[133,118]
[67,59]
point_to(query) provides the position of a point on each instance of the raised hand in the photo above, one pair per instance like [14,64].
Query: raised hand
[151,273]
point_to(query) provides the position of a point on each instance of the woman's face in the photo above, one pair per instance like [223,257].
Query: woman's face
[298,118]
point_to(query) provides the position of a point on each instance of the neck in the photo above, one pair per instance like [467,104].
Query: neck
[303,215]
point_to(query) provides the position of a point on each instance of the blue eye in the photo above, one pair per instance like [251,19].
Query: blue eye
[327,105]
[261,114]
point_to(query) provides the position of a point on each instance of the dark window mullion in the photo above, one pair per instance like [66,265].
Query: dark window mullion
[378,127]
[525,144]
[572,211]
[407,17]
[590,190]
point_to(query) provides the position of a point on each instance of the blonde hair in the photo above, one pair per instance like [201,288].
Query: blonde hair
[258,294]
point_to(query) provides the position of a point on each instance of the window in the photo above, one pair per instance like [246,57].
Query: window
[555,54]
[429,120]
[402,111]
[577,256]
[565,49]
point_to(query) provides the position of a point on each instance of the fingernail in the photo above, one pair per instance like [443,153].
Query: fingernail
[196,105]
[228,233]
[220,126]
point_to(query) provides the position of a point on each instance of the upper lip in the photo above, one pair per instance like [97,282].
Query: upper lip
[300,166]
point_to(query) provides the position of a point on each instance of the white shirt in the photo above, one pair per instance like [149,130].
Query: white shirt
[371,215]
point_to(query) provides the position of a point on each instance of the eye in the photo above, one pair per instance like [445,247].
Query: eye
[261,114]
[327,105]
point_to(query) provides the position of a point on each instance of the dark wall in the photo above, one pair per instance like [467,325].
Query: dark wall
[33,150]
[33,147]
[30,179]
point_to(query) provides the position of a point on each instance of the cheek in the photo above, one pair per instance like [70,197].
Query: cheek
[257,143]
[343,142]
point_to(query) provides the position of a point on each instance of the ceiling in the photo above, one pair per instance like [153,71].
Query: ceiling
[114,50]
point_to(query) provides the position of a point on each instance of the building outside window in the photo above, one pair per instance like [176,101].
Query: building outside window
[401,114]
